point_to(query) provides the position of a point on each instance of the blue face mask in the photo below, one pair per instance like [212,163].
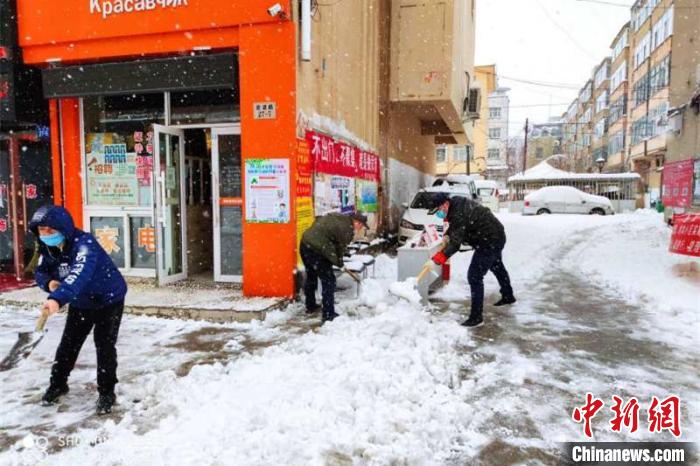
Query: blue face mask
[441,214]
[54,239]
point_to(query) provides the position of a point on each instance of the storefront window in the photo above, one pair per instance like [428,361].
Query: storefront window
[119,148]
[696,182]
[109,232]
[143,243]
[210,106]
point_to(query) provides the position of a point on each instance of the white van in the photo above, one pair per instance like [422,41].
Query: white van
[488,194]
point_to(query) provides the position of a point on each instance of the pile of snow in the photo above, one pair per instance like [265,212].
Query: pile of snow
[407,290]
[545,171]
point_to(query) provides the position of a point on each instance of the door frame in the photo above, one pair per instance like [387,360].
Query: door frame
[159,204]
[234,129]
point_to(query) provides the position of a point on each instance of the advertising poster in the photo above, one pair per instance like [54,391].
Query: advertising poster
[304,169]
[111,176]
[267,190]
[677,183]
[366,192]
[333,193]
[305,217]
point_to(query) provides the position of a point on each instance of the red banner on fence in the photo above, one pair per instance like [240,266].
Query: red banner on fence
[678,183]
[339,158]
[686,235]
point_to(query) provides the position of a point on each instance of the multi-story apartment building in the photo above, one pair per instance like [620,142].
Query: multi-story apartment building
[651,33]
[583,160]
[653,83]
[569,133]
[497,163]
[620,66]
[601,97]
[453,159]
[198,100]
[544,140]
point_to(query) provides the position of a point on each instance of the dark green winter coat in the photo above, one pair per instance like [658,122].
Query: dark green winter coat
[473,224]
[329,236]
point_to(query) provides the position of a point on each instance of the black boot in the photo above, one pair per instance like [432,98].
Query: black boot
[53,394]
[329,316]
[313,310]
[474,320]
[506,300]
[105,403]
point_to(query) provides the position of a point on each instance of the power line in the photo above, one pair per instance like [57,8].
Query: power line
[564,31]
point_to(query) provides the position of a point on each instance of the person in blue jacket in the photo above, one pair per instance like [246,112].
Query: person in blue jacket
[75,270]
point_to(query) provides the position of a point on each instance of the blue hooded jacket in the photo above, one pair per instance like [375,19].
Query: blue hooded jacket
[89,279]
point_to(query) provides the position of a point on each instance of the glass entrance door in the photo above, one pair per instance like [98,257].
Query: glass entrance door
[228,204]
[169,206]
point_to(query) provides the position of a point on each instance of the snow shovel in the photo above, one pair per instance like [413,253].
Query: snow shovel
[26,342]
[408,289]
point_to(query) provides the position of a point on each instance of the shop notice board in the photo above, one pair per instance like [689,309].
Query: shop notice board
[267,190]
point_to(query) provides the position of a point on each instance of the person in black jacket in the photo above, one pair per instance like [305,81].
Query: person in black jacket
[470,222]
[75,270]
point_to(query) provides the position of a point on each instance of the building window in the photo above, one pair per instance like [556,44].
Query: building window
[640,92]
[441,155]
[494,154]
[586,117]
[663,29]
[601,102]
[640,15]
[495,113]
[494,133]
[539,153]
[585,94]
[600,129]
[660,76]
[119,148]
[619,46]
[459,153]
[618,109]
[586,140]
[643,50]
[696,182]
[602,74]
[619,76]
[616,143]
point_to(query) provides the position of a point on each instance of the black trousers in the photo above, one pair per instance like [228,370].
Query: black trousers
[106,322]
[318,267]
[486,259]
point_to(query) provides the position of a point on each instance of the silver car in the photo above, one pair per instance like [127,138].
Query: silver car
[565,200]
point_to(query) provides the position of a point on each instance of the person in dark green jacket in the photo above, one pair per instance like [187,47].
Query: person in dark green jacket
[323,246]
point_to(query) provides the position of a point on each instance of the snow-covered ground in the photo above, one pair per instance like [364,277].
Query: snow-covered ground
[602,309]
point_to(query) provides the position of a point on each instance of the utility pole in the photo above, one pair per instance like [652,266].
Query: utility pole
[527,129]
[466,149]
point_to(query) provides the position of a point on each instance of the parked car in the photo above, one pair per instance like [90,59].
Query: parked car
[488,194]
[456,180]
[565,200]
[416,217]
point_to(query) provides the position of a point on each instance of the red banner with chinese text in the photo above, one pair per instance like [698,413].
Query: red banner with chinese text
[339,158]
[686,235]
[678,182]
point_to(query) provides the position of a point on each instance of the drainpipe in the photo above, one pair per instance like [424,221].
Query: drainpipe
[306,30]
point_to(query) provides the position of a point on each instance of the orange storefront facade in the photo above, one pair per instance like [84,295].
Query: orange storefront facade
[173,129]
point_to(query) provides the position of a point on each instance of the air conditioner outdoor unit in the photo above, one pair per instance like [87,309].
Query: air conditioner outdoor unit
[471,105]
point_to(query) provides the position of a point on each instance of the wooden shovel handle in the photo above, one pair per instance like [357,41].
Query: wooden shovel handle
[352,274]
[41,322]
[424,272]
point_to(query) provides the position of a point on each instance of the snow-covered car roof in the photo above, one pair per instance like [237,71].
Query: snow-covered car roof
[486,184]
[450,189]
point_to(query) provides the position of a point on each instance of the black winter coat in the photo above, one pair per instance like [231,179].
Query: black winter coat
[473,224]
